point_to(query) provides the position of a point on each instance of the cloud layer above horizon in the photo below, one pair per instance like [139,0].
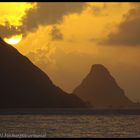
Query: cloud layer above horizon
[128,31]
[41,14]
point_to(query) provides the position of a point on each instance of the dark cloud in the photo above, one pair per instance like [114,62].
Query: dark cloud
[8,30]
[47,13]
[56,34]
[99,11]
[128,33]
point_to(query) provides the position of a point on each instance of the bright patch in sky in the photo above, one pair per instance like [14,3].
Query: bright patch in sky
[13,40]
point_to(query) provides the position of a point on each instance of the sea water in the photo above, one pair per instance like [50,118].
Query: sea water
[70,126]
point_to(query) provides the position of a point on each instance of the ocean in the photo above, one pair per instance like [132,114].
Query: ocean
[70,126]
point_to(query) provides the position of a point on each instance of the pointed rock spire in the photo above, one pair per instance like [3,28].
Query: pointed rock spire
[100,89]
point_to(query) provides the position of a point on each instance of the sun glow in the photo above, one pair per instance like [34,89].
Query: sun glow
[14,39]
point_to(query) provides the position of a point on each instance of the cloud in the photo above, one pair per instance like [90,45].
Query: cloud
[8,30]
[49,13]
[56,34]
[41,57]
[99,10]
[128,33]
[43,14]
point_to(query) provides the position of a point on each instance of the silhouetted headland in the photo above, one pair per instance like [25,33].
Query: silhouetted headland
[23,85]
[101,90]
[25,89]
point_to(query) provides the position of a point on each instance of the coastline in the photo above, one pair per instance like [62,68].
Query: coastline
[68,111]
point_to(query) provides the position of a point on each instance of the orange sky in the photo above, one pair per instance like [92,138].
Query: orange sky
[68,59]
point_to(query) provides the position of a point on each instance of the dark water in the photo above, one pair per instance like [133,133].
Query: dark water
[70,126]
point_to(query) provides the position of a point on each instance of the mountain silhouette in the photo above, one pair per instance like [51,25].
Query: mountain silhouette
[23,85]
[100,89]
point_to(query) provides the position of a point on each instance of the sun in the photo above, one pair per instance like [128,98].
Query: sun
[14,39]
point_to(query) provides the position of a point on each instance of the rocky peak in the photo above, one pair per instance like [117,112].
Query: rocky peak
[99,88]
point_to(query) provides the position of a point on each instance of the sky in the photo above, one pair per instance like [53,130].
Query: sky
[66,39]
